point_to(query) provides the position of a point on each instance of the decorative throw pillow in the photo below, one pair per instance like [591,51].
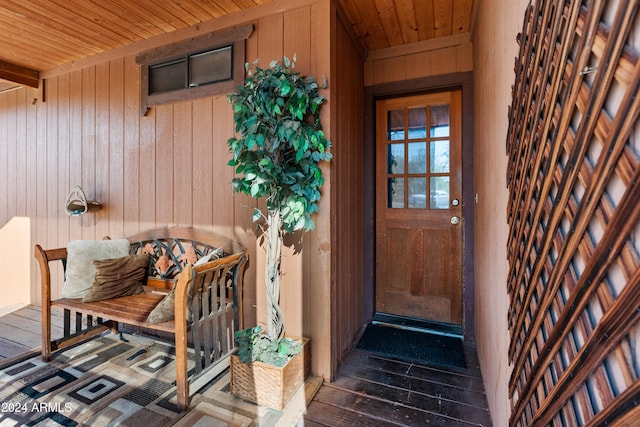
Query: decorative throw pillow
[118,277]
[80,271]
[214,254]
[165,310]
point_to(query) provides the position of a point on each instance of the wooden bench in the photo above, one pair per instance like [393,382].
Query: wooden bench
[211,333]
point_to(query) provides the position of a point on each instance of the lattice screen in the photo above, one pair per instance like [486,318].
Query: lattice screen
[574,239]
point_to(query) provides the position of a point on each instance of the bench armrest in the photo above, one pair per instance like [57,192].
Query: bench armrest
[200,281]
[44,257]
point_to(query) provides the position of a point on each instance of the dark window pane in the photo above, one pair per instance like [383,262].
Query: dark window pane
[210,67]
[167,76]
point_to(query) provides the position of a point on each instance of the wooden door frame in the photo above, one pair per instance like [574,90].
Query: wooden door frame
[463,81]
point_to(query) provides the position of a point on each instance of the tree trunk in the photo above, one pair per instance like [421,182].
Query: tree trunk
[275,318]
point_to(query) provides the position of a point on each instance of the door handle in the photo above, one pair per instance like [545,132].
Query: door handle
[455,220]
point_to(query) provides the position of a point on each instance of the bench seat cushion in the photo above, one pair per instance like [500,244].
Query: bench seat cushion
[132,310]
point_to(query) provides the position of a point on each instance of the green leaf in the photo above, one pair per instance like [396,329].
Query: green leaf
[285,89]
[265,162]
[255,190]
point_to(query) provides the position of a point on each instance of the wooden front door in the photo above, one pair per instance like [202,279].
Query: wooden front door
[419,207]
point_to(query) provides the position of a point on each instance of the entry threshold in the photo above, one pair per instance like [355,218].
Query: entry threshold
[419,325]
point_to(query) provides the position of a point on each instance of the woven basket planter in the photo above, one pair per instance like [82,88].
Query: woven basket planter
[269,385]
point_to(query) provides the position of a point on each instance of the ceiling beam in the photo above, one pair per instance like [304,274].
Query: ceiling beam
[21,75]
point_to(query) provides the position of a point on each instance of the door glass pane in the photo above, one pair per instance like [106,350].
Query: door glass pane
[417,193]
[439,121]
[417,123]
[395,192]
[439,156]
[395,160]
[395,121]
[417,152]
[439,195]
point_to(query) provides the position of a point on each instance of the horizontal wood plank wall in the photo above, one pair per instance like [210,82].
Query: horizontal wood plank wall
[424,59]
[574,255]
[347,194]
[168,167]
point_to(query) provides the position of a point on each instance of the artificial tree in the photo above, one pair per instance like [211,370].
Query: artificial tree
[277,150]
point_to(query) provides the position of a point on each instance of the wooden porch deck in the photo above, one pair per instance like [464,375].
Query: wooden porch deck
[368,391]
[375,391]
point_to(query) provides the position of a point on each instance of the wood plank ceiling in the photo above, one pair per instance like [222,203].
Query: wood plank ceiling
[38,35]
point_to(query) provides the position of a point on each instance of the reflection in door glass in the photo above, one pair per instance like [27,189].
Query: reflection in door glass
[395,191]
[439,195]
[417,152]
[395,122]
[439,121]
[417,193]
[395,160]
[439,155]
[417,123]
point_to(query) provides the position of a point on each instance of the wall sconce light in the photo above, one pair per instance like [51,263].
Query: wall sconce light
[77,203]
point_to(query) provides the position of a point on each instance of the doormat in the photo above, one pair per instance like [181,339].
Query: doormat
[419,347]
[106,381]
